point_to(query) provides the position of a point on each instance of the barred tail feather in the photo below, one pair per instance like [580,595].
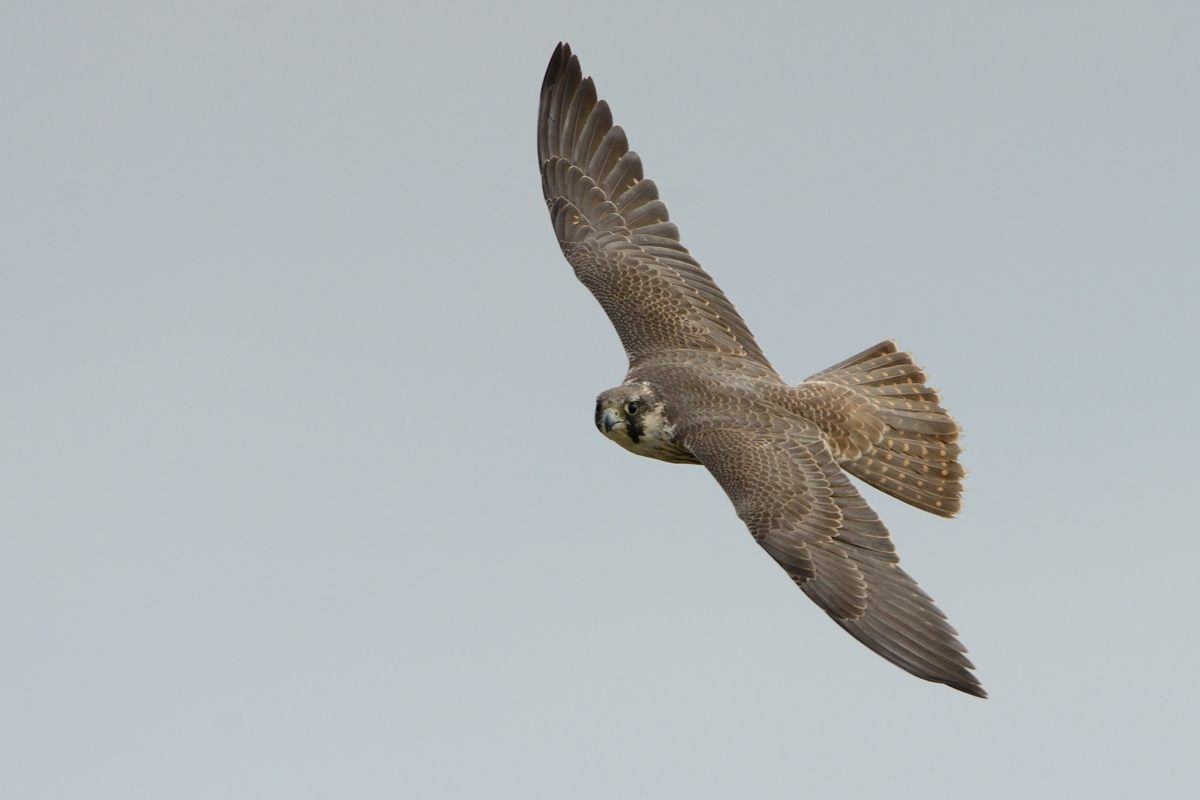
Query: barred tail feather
[915,459]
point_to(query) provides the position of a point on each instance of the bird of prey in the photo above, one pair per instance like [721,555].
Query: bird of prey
[700,391]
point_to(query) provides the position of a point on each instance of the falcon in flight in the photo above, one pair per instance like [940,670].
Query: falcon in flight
[700,391]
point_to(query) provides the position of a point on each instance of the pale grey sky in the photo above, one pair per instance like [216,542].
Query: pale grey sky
[303,497]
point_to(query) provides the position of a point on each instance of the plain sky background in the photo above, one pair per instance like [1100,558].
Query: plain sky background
[302,496]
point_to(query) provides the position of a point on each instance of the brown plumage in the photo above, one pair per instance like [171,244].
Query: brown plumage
[699,390]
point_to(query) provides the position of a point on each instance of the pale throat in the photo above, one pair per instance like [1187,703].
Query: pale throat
[656,439]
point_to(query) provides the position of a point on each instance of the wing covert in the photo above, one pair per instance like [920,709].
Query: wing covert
[802,509]
[616,233]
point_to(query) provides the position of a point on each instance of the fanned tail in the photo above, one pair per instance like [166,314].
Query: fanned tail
[913,455]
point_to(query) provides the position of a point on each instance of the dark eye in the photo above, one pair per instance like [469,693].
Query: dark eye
[631,407]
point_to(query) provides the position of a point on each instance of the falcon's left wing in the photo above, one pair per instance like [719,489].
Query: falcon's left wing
[802,509]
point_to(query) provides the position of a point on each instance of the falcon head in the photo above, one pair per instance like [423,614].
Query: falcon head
[635,417]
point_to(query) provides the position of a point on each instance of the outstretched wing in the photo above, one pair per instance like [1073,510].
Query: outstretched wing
[802,509]
[616,233]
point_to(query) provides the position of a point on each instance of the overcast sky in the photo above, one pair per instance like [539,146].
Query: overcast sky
[302,493]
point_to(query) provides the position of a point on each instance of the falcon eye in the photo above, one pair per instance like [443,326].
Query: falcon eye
[631,407]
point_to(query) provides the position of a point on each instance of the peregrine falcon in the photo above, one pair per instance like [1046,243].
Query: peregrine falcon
[700,391]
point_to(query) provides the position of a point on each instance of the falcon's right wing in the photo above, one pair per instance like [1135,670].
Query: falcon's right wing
[616,233]
[802,509]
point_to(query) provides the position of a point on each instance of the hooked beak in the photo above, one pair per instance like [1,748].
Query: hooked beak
[610,420]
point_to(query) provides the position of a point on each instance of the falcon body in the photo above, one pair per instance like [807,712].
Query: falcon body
[700,391]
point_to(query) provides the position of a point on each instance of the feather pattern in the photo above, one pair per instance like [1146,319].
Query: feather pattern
[616,232]
[887,427]
[803,511]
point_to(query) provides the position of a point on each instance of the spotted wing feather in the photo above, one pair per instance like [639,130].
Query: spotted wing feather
[802,509]
[616,232]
